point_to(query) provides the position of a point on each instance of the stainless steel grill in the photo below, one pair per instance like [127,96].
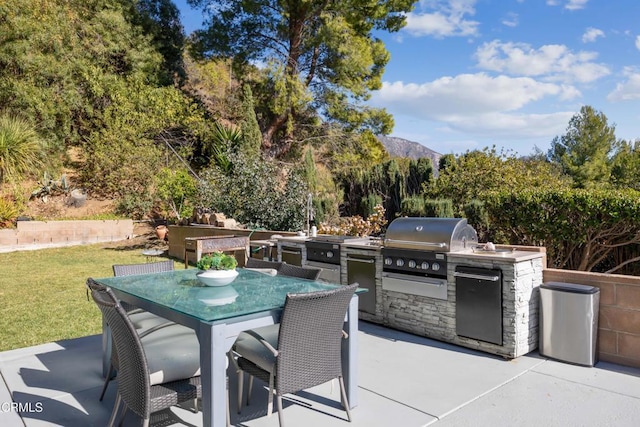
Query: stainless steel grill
[431,234]
[415,253]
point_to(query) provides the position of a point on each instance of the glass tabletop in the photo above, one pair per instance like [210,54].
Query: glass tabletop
[180,290]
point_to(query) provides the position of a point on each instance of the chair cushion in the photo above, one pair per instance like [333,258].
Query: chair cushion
[173,353]
[143,320]
[248,345]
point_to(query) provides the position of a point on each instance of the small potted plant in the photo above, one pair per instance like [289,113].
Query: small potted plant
[217,269]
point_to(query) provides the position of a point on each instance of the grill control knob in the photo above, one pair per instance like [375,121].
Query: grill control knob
[412,264]
[329,254]
[424,265]
[435,266]
[400,262]
[388,261]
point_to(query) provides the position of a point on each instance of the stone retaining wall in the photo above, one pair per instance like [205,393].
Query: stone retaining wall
[30,235]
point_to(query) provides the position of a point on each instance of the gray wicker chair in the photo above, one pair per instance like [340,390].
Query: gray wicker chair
[134,269]
[301,272]
[146,268]
[171,375]
[303,351]
[259,263]
[144,323]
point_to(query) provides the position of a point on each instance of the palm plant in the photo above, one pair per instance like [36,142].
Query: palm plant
[20,147]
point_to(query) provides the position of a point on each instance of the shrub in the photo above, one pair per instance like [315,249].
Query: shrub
[412,206]
[135,205]
[438,208]
[369,204]
[477,216]
[581,229]
[177,191]
[20,148]
[8,212]
[257,192]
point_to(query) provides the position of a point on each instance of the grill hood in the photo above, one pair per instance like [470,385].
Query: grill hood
[433,234]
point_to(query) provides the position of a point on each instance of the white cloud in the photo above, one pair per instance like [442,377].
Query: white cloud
[466,95]
[551,62]
[479,105]
[638,42]
[591,35]
[629,89]
[515,126]
[570,4]
[576,4]
[442,18]
[489,110]
[511,20]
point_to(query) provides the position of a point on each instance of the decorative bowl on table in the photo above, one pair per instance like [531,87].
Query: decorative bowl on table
[217,277]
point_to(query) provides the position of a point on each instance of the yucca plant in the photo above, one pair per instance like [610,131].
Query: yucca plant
[20,147]
[225,139]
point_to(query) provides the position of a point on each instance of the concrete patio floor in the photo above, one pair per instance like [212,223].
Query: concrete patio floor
[405,380]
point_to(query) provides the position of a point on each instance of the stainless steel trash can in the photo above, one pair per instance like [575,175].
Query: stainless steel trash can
[569,322]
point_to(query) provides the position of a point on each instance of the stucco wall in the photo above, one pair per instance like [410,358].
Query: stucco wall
[30,235]
[619,313]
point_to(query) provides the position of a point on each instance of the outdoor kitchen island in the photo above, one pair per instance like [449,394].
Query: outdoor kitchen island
[402,304]
[428,277]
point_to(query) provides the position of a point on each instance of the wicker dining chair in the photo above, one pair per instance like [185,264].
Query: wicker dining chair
[142,268]
[301,272]
[144,323]
[156,371]
[303,351]
[146,268]
[260,263]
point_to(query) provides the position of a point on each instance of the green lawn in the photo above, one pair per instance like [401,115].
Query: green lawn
[42,293]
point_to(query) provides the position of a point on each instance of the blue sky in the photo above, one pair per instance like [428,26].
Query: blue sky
[469,74]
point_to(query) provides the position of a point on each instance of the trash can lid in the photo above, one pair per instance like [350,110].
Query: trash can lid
[570,287]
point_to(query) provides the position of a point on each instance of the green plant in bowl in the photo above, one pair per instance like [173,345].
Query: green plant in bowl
[217,261]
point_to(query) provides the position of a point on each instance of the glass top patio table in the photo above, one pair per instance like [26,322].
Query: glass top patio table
[180,290]
[219,313]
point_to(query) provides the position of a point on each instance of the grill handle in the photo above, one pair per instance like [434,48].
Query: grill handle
[414,279]
[366,261]
[440,245]
[293,252]
[476,276]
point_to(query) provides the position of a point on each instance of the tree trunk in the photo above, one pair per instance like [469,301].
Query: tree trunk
[296,27]
[275,125]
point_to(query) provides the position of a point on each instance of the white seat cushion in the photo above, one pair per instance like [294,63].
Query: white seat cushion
[248,345]
[143,321]
[173,353]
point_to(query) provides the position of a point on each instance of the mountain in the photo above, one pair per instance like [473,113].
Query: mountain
[399,147]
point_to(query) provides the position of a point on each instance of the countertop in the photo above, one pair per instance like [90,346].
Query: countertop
[512,256]
[366,243]
[292,239]
[362,244]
